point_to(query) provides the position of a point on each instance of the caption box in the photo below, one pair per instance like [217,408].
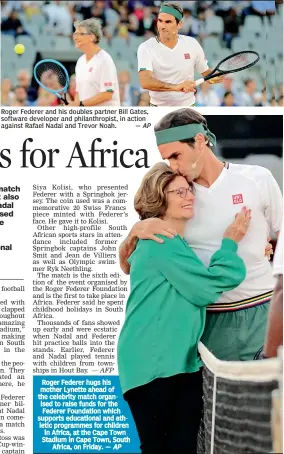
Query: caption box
[82,414]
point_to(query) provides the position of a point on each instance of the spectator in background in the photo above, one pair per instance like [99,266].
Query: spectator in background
[223,7]
[228,100]
[206,96]
[249,96]
[45,98]
[12,25]
[31,8]
[231,26]
[24,80]
[203,4]
[261,99]
[146,23]
[49,79]
[59,18]
[188,4]
[227,85]
[281,91]
[144,99]
[189,23]
[7,94]
[127,23]
[43,101]
[98,13]
[199,27]
[83,7]
[6,9]
[21,97]
[72,86]
[112,17]
[136,12]
[280,101]
[261,8]
[128,93]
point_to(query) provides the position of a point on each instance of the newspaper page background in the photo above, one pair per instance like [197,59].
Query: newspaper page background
[68,179]
[61,327]
[63,295]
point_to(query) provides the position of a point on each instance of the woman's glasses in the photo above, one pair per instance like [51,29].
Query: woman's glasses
[182,192]
[81,34]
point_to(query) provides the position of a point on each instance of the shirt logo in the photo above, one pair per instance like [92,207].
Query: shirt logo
[237,198]
[90,69]
[108,84]
[187,56]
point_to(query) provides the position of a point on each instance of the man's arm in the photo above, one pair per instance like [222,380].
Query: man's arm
[144,230]
[72,103]
[145,71]
[198,284]
[147,79]
[149,82]
[77,98]
[215,80]
[205,73]
[100,98]
[274,335]
[125,250]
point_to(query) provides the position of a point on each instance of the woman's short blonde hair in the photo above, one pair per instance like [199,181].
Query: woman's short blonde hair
[151,200]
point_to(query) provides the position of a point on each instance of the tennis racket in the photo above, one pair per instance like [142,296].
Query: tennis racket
[232,64]
[53,77]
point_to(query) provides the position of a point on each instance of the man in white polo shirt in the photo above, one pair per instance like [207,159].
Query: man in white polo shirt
[96,76]
[166,64]
[236,323]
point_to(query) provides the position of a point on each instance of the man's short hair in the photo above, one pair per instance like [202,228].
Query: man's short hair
[175,6]
[182,117]
[93,26]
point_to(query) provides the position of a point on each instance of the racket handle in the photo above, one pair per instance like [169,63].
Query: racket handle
[199,82]
[62,99]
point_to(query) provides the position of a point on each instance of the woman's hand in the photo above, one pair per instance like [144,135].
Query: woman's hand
[268,248]
[237,230]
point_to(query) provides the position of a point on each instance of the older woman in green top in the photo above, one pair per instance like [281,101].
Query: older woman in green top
[158,360]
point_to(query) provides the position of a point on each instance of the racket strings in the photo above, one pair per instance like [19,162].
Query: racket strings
[237,62]
[51,76]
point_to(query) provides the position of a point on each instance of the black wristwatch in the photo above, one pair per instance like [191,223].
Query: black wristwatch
[81,104]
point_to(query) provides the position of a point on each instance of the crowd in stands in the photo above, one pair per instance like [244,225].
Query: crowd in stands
[123,19]
[138,17]
[225,94]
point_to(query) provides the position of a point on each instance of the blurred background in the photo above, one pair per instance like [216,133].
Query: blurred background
[250,139]
[221,27]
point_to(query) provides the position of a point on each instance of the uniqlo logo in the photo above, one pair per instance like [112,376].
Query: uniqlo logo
[90,69]
[237,198]
[187,56]
[108,84]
